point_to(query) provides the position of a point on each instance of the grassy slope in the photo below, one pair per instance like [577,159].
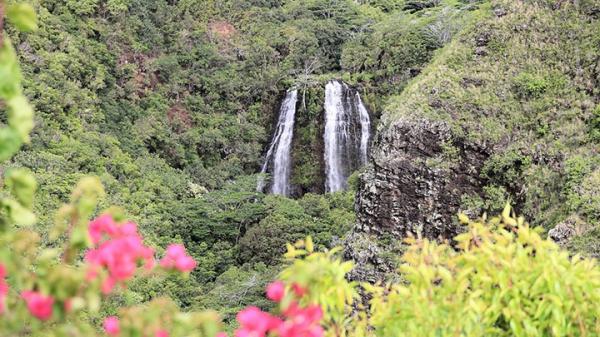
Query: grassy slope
[525,81]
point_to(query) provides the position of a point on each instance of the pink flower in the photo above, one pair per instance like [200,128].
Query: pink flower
[175,251]
[111,326]
[299,322]
[185,264]
[177,258]
[161,333]
[299,290]
[128,229]
[3,288]
[255,322]
[221,334]
[68,305]
[302,322]
[38,304]
[298,329]
[276,291]
[102,224]
[107,285]
[118,249]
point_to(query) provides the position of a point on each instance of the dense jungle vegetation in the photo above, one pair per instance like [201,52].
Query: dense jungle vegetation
[171,104]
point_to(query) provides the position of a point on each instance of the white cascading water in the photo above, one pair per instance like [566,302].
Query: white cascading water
[279,152]
[334,137]
[365,129]
[346,136]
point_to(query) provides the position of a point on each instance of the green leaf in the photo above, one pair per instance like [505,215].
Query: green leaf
[10,142]
[309,244]
[20,116]
[10,73]
[22,16]
[19,214]
[22,185]
[80,238]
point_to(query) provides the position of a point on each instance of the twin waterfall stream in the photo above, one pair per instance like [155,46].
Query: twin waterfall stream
[279,152]
[346,140]
[347,132]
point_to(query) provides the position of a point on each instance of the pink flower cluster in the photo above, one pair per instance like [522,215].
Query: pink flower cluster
[177,258]
[38,304]
[3,288]
[112,326]
[296,321]
[118,248]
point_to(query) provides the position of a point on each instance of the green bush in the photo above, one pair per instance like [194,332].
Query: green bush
[530,85]
[504,280]
[499,278]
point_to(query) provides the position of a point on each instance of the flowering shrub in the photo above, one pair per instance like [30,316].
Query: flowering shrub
[52,289]
[296,321]
[38,304]
[178,259]
[119,254]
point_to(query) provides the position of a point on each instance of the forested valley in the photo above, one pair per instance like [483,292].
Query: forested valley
[380,167]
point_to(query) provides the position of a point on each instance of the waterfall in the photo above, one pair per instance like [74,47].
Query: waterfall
[346,136]
[365,129]
[335,137]
[279,153]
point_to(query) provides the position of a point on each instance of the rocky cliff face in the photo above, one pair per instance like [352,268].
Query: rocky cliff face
[499,114]
[407,190]
[418,168]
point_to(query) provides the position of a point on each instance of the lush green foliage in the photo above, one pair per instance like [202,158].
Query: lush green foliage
[170,104]
[500,279]
[530,105]
[504,280]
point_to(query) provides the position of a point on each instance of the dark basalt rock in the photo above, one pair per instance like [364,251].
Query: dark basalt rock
[412,188]
[368,254]
[564,231]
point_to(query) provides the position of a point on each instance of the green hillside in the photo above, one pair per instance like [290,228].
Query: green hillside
[172,105]
[524,84]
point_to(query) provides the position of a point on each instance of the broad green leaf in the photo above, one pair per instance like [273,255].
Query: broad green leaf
[309,244]
[10,73]
[463,218]
[22,185]
[506,211]
[10,142]
[22,16]
[19,214]
[20,116]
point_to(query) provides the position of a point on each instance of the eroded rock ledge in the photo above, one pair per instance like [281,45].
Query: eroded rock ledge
[419,170]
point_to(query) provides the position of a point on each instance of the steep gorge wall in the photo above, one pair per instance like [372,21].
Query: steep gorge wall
[411,190]
[498,115]
[405,192]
